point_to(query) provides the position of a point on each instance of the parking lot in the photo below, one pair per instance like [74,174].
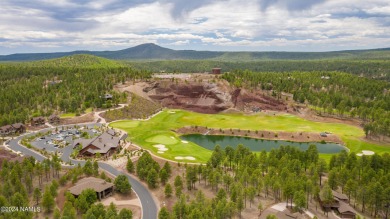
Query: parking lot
[58,140]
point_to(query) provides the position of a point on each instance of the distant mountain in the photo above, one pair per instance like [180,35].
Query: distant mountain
[152,51]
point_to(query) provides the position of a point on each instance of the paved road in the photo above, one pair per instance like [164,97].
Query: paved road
[149,207]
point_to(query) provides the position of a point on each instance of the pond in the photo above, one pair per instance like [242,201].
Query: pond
[209,142]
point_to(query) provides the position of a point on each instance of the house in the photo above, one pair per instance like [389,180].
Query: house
[340,196]
[102,188]
[12,129]
[107,97]
[340,205]
[19,128]
[105,144]
[36,121]
[346,211]
[7,130]
[54,119]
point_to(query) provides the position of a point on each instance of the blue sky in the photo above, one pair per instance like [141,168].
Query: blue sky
[221,25]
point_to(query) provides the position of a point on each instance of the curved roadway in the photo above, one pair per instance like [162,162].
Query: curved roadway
[148,205]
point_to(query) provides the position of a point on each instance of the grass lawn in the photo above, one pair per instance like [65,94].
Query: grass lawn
[159,130]
[67,115]
[71,115]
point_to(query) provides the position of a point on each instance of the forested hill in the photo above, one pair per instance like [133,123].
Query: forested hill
[79,61]
[151,51]
[68,84]
[377,69]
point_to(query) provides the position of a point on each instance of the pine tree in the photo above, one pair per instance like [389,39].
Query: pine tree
[125,214]
[168,190]
[48,200]
[130,166]
[37,195]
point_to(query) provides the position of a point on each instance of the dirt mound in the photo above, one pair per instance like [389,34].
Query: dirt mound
[198,97]
[255,101]
[202,93]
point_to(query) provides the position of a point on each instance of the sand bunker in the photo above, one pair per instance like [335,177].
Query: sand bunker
[185,142]
[172,112]
[160,148]
[185,158]
[365,152]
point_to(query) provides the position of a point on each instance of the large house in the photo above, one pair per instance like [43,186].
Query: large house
[105,144]
[7,130]
[340,205]
[54,119]
[101,187]
[36,121]
[17,128]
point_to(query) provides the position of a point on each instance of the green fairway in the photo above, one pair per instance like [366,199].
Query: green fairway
[159,130]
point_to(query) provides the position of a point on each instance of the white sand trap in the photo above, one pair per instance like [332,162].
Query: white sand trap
[368,152]
[160,148]
[185,142]
[365,152]
[185,158]
[172,137]
[172,112]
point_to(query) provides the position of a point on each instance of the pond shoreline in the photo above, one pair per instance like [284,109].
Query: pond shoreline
[262,134]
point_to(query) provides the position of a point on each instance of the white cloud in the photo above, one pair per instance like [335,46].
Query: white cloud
[236,24]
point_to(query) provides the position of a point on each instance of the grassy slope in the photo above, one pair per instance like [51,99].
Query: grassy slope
[142,132]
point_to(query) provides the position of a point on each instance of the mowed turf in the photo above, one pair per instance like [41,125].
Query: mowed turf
[159,130]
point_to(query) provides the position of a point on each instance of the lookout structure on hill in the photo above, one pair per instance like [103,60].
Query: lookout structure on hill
[216,71]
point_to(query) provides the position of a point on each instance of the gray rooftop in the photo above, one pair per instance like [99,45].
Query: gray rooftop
[103,142]
[345,208]
[96,184]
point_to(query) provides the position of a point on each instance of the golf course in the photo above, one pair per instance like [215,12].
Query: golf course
[158,133]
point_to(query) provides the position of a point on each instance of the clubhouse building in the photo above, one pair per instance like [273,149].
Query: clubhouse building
[105,144]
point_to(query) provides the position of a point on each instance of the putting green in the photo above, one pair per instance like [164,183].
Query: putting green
[162,139]
[160,130]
